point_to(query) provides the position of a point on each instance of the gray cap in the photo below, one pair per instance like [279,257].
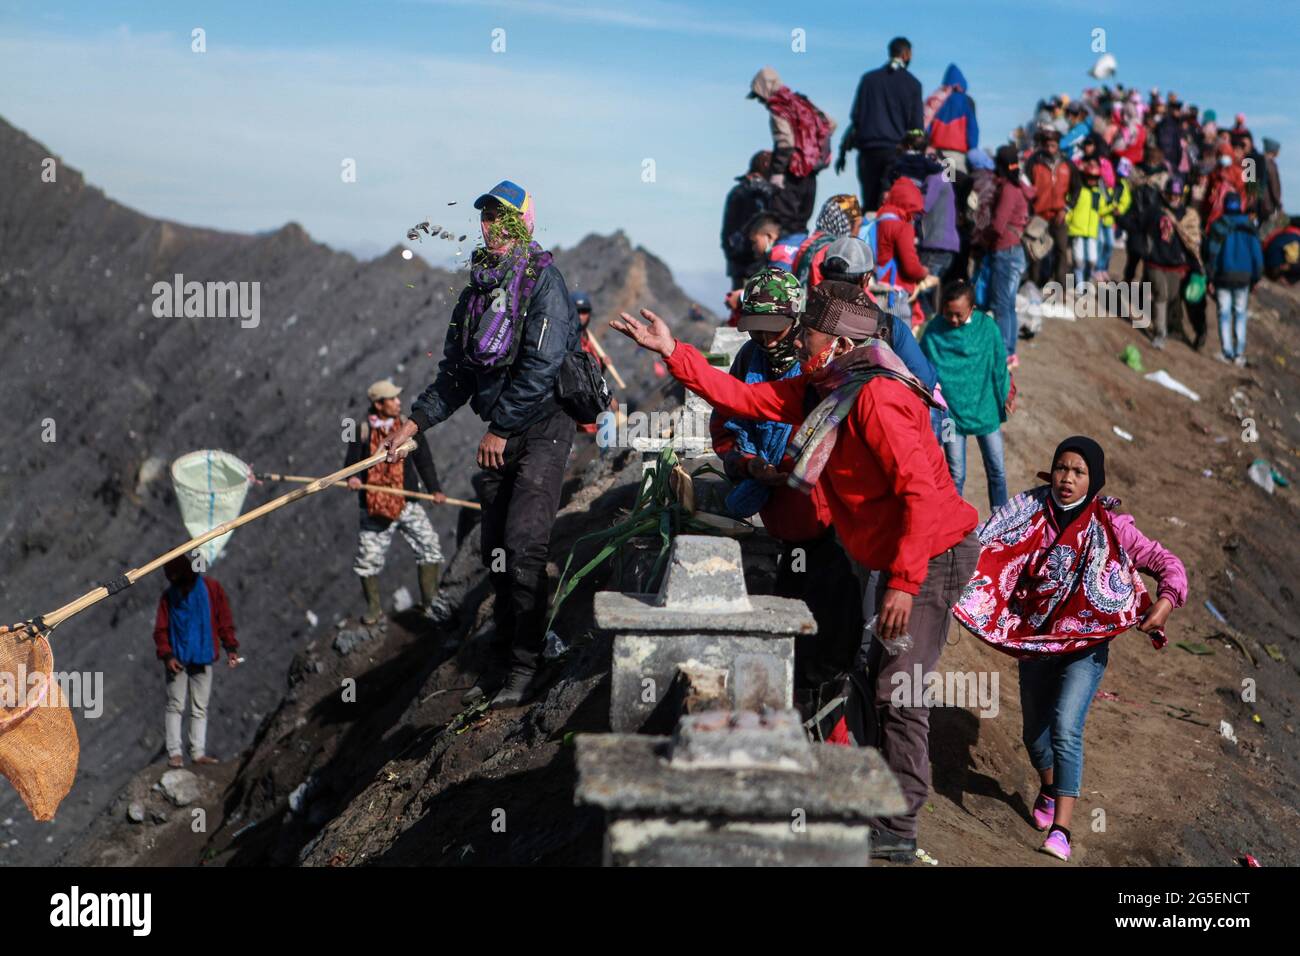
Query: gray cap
[848,256]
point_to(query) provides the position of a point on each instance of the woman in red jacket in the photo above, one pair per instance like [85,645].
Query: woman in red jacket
[864,432]
[896,239]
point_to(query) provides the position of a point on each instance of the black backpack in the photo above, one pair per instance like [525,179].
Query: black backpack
[842,711]
[581,389]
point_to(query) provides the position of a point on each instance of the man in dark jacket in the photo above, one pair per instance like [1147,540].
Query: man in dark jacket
[886,106]
[1169,137]
[1146,183]
[751,195]
[383,514]
[508,336]
[1173,238]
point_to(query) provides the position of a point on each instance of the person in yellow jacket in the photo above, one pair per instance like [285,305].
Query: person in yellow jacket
[1121,198]
[1083,220]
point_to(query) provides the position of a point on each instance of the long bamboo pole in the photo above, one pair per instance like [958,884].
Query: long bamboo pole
[459,502]
[48,622]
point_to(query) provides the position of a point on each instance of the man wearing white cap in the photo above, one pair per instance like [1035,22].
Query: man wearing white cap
[382,513]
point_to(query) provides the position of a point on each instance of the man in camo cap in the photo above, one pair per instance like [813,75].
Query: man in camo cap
[769,308]
[814,567]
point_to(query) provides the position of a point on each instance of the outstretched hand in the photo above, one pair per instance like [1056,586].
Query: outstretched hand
[656,336]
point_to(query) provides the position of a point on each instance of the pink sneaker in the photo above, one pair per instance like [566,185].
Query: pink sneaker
[1057,844]
[1044,811]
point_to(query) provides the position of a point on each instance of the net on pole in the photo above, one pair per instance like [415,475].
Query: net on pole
[39,748]
[210,487]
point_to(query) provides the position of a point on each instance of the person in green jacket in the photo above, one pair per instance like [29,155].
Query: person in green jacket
[966,349]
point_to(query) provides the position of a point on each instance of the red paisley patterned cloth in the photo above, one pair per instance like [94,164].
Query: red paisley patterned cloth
[1035,593]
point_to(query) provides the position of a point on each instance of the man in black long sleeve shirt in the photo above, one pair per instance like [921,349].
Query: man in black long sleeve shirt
[886,107]
[382,513]
[502,355]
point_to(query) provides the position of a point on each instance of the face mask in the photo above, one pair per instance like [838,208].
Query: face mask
[822,360]
[781,354]
[1069,507]
[1225,161]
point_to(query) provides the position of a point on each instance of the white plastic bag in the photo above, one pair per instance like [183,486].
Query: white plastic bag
[1029,310]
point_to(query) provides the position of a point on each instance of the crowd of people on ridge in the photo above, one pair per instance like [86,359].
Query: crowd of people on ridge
[880,340]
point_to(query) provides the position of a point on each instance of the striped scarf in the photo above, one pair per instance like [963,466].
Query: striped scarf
[840,381]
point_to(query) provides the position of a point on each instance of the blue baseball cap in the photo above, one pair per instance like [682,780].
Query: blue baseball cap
[508,193]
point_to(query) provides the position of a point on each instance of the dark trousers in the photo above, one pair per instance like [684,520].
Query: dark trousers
[819,573]
[1055,266]
[905,731]
[1131,260]
[793,203]
[937,262]
[519,506]
[872,164]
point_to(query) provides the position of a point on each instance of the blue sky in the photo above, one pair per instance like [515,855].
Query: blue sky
[252,133]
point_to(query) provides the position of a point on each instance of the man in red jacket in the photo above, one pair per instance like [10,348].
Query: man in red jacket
[1056,185]
[892,504]
[192,626]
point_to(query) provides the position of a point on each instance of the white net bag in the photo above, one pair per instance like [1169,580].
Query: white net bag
[210,486]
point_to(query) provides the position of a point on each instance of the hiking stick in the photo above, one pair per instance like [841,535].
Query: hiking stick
[48,622]
[609,364]
[461,502]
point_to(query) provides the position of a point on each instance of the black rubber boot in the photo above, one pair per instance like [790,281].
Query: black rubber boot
[518,687]
[493,675]
[432,604]
[374,608]
[887,845]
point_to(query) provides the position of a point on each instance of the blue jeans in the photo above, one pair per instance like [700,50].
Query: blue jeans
[1232,305]
[936,424]
[1105,246]
[1055,694]
[1008,267]
[1084,249]
[991,452]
